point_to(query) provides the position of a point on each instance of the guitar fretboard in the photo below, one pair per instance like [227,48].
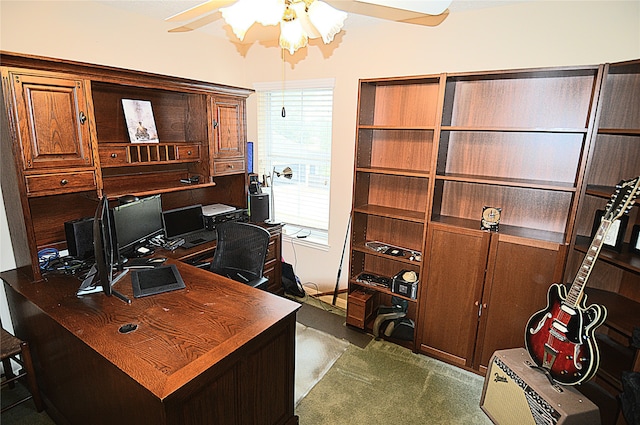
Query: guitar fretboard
[577,287]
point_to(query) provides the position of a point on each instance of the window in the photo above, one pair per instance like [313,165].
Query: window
[300,140]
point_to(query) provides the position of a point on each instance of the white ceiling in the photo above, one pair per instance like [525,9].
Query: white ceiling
[161,9]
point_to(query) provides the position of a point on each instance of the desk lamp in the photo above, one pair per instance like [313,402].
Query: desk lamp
[287,173]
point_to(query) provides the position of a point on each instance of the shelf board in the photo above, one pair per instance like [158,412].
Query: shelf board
[614,359]
[568,130]
[389,212]
[397,127]
[362,248]
[620,131]
[381,289]
[113,196]
[394,172]
[623,314]
[600,191]
[502,181]
[625,259]
[517,231]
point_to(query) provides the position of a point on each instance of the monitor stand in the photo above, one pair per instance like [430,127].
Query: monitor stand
[88,285]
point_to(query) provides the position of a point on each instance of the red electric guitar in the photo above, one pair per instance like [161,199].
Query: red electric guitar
[560,338]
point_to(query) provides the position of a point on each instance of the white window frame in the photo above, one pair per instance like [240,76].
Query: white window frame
[299,231]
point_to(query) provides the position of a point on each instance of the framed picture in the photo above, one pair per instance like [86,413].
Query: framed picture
[615,236]
[140,123]
[635,239]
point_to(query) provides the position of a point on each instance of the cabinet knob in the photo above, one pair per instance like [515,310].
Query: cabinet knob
[215,124]
[230,165]
[188,152]
[64,182]
[82,117]
[114,155]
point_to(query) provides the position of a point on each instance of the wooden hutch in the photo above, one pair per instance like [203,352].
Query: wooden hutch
[65,125]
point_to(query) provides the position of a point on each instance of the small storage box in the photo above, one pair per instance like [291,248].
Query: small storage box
[402,286]
[360,307]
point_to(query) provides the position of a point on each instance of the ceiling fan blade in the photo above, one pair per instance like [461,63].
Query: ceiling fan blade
[198,23]
[388,13]
[428,20]
[431,7]
[198,10]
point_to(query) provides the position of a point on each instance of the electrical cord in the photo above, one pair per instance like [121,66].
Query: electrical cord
[46,256]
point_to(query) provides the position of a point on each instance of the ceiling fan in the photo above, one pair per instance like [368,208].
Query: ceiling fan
[331,13]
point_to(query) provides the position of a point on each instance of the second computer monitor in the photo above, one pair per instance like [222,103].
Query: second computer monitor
[137,222]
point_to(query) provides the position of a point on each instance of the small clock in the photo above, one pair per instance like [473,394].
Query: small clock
[490,218]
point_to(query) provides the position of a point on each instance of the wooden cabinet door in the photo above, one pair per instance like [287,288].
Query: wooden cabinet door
[228,127]
[53,122]
[450,299]
[519,274]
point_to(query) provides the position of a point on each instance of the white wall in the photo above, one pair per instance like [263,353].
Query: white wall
[554,33]
[545,33]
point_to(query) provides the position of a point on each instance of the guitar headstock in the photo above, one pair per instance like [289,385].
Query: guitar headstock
[622,199]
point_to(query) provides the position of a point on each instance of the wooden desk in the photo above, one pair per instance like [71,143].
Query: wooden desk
[217,352]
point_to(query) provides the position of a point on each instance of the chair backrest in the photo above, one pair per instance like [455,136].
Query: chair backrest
[241,246]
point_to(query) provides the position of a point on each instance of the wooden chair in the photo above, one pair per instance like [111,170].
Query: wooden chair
[15,349]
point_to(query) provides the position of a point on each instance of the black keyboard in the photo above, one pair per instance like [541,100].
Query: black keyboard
[199,238]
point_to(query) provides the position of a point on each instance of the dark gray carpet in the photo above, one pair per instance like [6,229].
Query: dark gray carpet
[22,414]
[327,318]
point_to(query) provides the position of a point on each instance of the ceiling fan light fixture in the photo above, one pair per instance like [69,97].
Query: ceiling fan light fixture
[269,12]
[292,35]
[299,20]
[327,20]
[240,16]
[301,12]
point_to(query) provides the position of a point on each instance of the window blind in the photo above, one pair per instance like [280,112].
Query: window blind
[300,140]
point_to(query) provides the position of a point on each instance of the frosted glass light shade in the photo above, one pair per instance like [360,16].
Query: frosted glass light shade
[292,36]
[240,16]
[327,20]
[302,15]
[268,12]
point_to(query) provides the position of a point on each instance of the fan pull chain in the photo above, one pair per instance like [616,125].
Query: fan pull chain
[283,112]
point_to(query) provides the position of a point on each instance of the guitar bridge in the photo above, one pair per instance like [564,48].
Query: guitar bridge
[549,357]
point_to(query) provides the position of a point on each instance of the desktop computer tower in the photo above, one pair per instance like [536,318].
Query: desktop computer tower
[258,207]
[516,393]
[79,235]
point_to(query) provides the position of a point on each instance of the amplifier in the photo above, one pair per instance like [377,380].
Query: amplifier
[516,393]
[211,221]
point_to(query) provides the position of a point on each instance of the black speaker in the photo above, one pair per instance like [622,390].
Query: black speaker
[79,234]
[258,207]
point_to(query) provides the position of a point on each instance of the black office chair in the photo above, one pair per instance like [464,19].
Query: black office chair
[240,253]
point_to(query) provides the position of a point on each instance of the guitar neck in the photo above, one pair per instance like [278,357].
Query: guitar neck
[577,287]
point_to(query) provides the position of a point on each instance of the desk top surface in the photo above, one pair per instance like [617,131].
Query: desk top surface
[179,334]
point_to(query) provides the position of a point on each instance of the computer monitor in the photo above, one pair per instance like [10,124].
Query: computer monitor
[137,222]
[183,221]
[101,276]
